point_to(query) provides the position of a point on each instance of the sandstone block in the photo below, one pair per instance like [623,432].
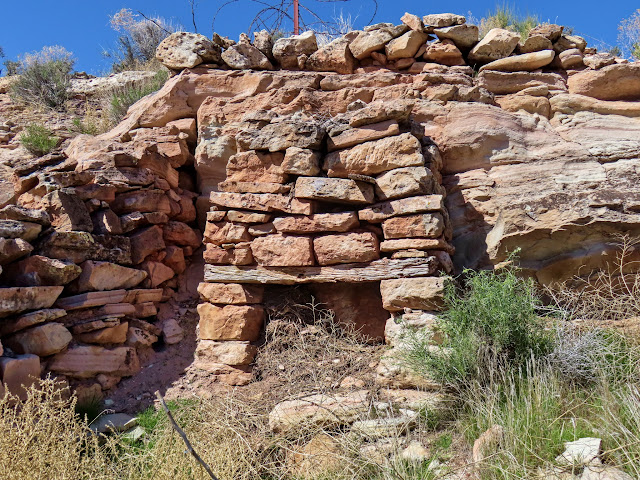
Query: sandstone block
[571,58]
[13,229]
[528,103]
[231,293]
[260,230]
[109,335]
[276,137]
[404,182]
[615,82]
[68,213]
[381,211]
[444,52]
[228,353]
[37,270]
[527,62]
[368,42]
[262,202]
[22,214]
[301,161]
[9,326]
[95,299]
[106,222]
[535,43]
[179,233]
[19,373]
[226,232]
[237,216]
[375,157]
[145,242]
[244,56]
[346,248]
[139,337]
[231,322]
[283,251]
[253,187]
[255,166]
[425,225]
[440,20]
[464,36]
[175,259]
[333,57]
[238,254]
[381,111]
[98,276]
[497,43]
[13,249]
[88,361]
[421,293]
[42,340]
[366,133]
[319,222]
[143,201]
[336,190]
[287,50]
[502,83]
[414,22]
[405,46]
[599,60]
[157,273]
[172,332]
[187,50]
[548,30]
[19,299]
[416,244]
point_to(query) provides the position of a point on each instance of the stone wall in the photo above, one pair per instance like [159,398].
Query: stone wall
[357,168]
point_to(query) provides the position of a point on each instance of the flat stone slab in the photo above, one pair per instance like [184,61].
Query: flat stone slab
[114,422]
[19,299]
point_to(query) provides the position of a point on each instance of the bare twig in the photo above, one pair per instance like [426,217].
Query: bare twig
[192,4]
[177,428]
[154,22]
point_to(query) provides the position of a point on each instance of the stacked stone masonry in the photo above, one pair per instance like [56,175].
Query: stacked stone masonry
[377,163]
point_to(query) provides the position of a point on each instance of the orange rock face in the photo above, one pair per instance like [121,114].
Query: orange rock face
[346,248]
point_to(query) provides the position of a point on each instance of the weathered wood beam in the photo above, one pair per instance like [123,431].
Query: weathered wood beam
[349,273]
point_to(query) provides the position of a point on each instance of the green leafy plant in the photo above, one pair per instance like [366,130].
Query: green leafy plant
[45,77]
[123,98]
[507,17]
[38,139]
[493,320]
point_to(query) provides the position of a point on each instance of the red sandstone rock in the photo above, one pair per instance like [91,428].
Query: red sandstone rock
[417,244]
[366,133]
[231,293]
[42,340]
[13,249]
[19,299]
[243,217]
[145,242]
[19,373]
[8,326]
[615,82]
[38,270]
[88,361]
[231,322]
[336,190]
[180,233]
[404,182]
[381,211]
[283,251]
[262,202]
[157,273]
[301,161]
[429,225]
[106,276]
[346,248]
[444,52]
[110,335]
[333,57]
[141,201]
[320,222]
[255,166]
[67,212]
[228,353]
[226,232]
[238,254]
[175,259]
[422,293]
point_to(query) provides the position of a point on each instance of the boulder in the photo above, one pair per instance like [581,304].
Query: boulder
[414,22]
[19,373]
[228,353]
[597,61]
[615,82]
[230,322]
[88,361]
[548,30]
[320,222]
[527,62]
[283,251]
[440,20]
[319,410]
[263,41]
[350,247]
[243,56]
[12,249]
[13,229]
[422,293]
[301,161]
[444,52]
[571,58]
[231,293]
[464,36]
[368,42]
[38,270]
[187,50]
[42,340]
[98,276]
[535,43]
[19,299]
[497,43]
[406,45]
[287,50]
[375,157]
[336,57]
[336,190]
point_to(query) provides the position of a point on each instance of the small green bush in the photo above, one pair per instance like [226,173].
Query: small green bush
[38,139]
[507,17]
[492,322]
[45,77]
[123,98]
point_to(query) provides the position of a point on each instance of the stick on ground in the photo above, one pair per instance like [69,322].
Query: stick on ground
[177,428]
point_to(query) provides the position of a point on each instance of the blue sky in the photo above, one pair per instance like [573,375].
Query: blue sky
[82,26]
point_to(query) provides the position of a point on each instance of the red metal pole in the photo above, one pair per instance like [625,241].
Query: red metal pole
[296,19]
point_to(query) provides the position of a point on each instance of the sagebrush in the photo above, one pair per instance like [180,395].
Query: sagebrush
[122,98]
[38,139]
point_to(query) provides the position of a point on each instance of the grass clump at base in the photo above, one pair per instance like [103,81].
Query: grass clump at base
[38,139]
[121,99]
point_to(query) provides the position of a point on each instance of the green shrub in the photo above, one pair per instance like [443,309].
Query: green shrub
[38,139]
[492,321]
[45,77]
[123,98]
[507,17]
